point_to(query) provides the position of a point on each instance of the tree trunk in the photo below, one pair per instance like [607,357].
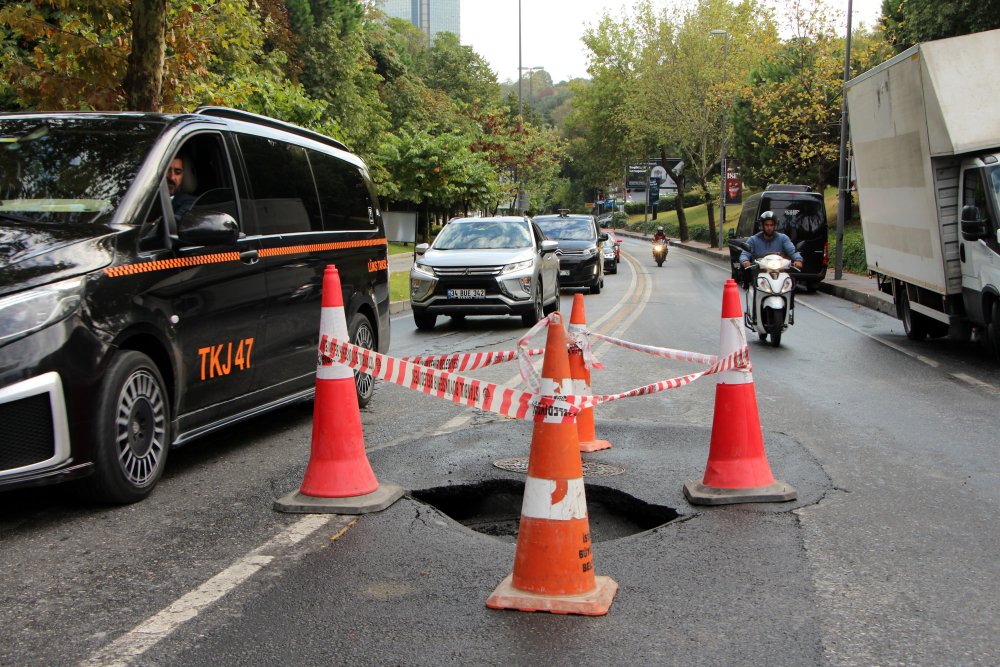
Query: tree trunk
[144,77]
[710,208]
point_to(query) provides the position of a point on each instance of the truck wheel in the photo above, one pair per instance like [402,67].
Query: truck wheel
[914,324]
[131,430]
[361,334]
[993,330]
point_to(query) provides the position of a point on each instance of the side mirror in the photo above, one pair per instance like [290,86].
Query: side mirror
[973,226]
[209,228]
[603,236]
[421,248]
[739,245]
[549,246]
[732,233]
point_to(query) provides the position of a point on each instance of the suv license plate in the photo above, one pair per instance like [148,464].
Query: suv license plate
[466,293]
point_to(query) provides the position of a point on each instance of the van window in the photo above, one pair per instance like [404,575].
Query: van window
[343,194]
[281,184]
[800,219]
[748,216]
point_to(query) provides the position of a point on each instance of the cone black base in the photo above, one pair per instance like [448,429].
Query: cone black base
[699,494]
[376,501]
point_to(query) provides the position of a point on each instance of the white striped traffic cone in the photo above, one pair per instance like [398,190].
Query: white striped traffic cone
[553,565]
[339,478]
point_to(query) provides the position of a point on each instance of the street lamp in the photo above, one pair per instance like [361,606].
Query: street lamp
[722,149]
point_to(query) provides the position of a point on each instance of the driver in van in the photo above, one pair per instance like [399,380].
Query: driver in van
[181,200]
[770,241]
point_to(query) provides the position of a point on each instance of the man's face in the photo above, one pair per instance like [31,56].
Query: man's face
[175,175]
[768,227]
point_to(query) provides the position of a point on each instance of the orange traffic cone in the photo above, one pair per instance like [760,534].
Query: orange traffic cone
[339,478]
[737,470]
[581,382]
[553,569]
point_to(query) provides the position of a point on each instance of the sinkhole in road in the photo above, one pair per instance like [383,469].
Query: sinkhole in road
[493,507]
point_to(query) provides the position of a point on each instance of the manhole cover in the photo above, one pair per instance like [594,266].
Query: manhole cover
[590,468]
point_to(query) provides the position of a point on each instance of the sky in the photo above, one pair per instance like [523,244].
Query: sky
[551,31]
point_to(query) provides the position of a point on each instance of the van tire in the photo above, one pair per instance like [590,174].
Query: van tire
[993,330]
[362,334]
[914,324]
[131,430]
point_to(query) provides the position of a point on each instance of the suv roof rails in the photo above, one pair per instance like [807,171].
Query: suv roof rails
[239,114]
[786,187]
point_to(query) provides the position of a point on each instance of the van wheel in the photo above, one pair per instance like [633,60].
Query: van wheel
[131,431]
[596,287]
[361,334]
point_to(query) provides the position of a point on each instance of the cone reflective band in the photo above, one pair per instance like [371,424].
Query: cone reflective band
[553,565]
[581,379]
[339,477]
[737,469]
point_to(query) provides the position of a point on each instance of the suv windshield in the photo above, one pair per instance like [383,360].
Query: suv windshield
[69,169]
[483,235]
[568,229]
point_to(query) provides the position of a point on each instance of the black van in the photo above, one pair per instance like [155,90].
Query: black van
[801,214]
[123,331]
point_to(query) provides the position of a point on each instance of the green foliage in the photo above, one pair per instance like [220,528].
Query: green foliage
[907,22]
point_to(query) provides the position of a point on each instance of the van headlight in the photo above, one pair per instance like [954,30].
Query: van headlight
[589,252]
[27,312]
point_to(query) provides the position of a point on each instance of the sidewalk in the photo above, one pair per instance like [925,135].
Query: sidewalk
[852,287]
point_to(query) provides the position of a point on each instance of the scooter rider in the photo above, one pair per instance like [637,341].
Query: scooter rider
[769,241]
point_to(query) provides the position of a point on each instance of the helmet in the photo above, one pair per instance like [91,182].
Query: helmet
[659,229]
[766,215]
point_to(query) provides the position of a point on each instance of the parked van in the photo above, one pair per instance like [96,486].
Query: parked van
[801,214]
[125,331]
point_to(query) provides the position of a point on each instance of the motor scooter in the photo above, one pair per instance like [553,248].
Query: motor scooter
[659,252]
[770,298]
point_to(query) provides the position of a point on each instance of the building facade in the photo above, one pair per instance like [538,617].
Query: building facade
[431,16]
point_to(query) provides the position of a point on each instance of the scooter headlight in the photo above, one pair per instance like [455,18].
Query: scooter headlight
[763,285]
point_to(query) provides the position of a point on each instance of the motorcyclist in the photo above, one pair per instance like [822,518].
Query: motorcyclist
[769,241]
[660,236]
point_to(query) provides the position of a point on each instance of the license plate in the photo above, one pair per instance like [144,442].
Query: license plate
[563,272]
[466,293]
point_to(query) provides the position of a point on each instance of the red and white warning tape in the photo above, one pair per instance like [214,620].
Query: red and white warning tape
[504,400]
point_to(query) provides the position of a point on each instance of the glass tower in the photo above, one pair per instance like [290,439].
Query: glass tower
[431,16]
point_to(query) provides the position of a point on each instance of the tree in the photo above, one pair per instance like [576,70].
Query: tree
[144,75]
[907,22]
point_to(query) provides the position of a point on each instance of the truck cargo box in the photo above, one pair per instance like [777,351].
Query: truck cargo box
[912,118]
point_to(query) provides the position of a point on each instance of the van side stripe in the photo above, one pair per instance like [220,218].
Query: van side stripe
[220,257]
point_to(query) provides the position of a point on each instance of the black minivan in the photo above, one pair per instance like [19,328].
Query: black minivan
[125,331]
[801,214]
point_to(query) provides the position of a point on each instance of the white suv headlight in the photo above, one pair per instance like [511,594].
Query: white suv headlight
[516,266]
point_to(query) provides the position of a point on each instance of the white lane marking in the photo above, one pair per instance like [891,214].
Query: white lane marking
[133,644]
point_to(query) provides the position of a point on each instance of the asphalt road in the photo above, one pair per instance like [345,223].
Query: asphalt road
[886,557]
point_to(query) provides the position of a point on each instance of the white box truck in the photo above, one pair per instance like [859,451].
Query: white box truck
[925,130]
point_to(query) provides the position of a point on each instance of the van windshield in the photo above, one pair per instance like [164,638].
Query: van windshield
[568,229]
[69,170]
[800,219]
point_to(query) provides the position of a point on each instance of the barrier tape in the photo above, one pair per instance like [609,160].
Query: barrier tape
[500,399]
[468,362]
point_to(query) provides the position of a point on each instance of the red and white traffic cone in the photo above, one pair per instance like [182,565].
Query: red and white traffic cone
[581,381]
[338,478]
[553,566]
[737,469]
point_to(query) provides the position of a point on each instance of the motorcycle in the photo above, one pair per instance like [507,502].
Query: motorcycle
[659,252]
[770,298]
